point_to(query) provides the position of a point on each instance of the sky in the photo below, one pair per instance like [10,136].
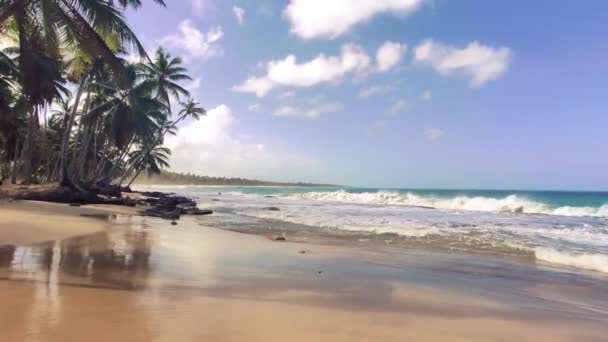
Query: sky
[392,93]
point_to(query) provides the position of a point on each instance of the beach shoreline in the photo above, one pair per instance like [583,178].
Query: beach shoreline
[149,280]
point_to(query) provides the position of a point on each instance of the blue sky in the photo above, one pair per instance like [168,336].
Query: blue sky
[395,93]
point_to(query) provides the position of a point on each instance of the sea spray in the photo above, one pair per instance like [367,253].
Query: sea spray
[510,203]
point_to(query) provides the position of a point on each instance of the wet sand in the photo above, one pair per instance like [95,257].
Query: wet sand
[103,277]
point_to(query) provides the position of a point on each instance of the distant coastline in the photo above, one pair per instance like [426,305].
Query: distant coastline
[174,178]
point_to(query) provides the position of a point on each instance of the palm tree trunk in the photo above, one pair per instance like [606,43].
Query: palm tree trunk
[64,177]
[26,152]
[15,169]
[79,163]
[108,178]
[94,163]
[136,175]
[156,142]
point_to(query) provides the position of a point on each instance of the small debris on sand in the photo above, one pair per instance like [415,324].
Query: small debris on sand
[280,238]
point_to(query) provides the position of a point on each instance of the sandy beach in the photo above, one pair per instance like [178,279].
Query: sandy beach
[78,273]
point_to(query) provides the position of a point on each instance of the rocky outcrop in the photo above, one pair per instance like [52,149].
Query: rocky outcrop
[170,207]
[62,194]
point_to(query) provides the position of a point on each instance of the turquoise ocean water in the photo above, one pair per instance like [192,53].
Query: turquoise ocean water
[569,229]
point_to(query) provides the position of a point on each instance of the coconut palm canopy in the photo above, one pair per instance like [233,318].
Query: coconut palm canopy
[112,124]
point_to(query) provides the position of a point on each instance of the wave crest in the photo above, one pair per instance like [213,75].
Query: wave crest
[511,203]
[593,262]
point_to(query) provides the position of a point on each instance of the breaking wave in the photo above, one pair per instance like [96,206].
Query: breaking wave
[511,203]
[593,262]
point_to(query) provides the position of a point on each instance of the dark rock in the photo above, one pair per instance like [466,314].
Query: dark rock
[198,212]
[155,194]
[129,202]
[215,200]
[173,223]
[302,252]
[272,209]
[280,238]
[165,214]
[269,196]
[65,195]
[186,205]
[74,204]
[110,190]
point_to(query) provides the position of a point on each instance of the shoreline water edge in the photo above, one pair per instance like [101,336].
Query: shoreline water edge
[157,276]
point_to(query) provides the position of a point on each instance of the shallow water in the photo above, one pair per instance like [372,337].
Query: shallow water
[564,228]
[146,280]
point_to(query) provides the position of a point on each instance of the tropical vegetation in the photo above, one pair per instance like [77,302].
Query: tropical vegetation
[73,109]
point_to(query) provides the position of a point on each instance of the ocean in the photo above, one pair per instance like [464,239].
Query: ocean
[561,228]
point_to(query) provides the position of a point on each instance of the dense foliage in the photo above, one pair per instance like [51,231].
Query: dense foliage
[72,108]
[174,178]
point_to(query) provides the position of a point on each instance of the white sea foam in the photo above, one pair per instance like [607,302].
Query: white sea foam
[594,262]
[511,203]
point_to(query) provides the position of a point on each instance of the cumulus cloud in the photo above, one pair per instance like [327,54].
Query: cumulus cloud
[211,146]
[313,112]
[289,72]
[239,13]
[433,133]
[389,55]
[310,19]
[257,85]
[479,63]
[193,41]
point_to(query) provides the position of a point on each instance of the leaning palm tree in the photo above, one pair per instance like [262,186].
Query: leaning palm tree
[132,112]
[152,159]
[191,109]
[44,27]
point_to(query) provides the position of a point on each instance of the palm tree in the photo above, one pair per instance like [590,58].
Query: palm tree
[191,108]
[43,28]
[163,73]
[152,159]
[132,112]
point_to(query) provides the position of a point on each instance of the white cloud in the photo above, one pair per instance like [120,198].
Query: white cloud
[426,95]
[328,19]
[313,112]
[211,146]
[257,85]
[193,41]
[288,72]
[433,133]
[478,63]
[389,55]
[239,13]
[373,90]
[318,70]
[254,107]
[399,106]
